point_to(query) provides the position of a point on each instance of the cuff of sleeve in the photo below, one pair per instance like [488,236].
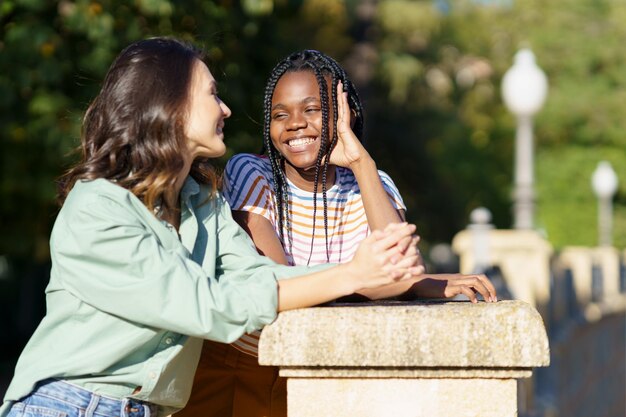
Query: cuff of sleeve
[261,297]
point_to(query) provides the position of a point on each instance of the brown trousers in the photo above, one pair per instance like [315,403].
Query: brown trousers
[229,383]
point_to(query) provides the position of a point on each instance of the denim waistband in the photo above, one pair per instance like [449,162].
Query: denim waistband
[94,404]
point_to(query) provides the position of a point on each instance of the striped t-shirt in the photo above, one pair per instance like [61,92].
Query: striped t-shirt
[248,186]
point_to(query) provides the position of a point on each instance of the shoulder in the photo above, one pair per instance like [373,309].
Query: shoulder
[248,183]
[386,178]
[347,180]
[244,172]
[101,200]
[100,191]
[244,163]
[96,206]
[348,184]
[392,190]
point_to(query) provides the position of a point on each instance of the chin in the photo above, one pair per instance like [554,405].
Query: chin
[303,161]
[303,165]
[214,153]
[217,154]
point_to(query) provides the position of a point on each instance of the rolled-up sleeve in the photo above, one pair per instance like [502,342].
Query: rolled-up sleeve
[111,260]
[239,261]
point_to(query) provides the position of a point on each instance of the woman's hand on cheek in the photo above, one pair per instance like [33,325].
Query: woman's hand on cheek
[348,150]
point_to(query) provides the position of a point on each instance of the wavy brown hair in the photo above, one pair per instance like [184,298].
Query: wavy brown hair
[133,132]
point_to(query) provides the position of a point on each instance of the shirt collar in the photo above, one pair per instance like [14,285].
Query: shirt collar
[190,188]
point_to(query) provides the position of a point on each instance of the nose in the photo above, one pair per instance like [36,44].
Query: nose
[296,121]
[225,110]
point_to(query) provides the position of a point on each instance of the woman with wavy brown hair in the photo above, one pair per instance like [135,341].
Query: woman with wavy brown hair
[146,259]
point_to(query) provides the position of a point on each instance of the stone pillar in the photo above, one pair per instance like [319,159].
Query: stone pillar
[622,275]
[418,359]
[580,260]
[607,258]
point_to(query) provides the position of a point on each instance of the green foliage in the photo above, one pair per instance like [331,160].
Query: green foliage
[461,135]
[445,138]
[568,205]
[428,71]
[54,55]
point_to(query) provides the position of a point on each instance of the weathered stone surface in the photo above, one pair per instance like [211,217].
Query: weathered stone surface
[402,397]
[507,334]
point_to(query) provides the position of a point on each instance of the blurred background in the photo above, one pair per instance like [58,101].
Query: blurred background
[429,73]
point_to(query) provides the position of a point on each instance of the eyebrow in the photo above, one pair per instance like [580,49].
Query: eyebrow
[306,100]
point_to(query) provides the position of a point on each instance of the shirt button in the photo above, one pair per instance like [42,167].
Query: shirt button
[169,341]
[152,375]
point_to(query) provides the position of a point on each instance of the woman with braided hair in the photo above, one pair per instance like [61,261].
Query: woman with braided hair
[313,196]
[353,196]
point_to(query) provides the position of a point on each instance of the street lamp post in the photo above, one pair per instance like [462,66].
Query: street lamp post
[524,90]
[480,228]
[604,183]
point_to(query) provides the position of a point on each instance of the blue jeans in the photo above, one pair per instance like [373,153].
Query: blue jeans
[54,398]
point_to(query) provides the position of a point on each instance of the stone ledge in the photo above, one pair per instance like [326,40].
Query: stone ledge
[426,335]
[405,373]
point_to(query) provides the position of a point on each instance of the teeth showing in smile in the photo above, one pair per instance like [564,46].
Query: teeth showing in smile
[300,141]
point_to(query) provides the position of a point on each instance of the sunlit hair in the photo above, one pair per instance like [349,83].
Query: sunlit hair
[134,131]
[321,66]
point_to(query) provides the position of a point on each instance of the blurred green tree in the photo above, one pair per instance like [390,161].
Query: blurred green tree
[442,128]
[429,72]
[53,56]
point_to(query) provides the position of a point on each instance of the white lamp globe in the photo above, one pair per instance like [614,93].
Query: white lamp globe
[524,85]
[480,215]
[604,180]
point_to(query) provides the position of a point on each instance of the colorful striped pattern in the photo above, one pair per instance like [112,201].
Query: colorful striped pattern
[248,186]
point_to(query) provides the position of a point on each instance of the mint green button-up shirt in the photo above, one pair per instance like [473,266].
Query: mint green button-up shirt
[129,302]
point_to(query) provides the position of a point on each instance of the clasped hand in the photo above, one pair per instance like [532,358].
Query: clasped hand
[390,256]
[387,256]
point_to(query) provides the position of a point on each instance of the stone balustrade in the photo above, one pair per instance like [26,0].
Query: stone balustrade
[522,255]
[406,358]
[581,294]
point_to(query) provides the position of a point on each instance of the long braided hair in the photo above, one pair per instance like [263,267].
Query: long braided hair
[321,66]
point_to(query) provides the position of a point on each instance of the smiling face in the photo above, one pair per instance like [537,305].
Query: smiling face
[206,114]
[296,119]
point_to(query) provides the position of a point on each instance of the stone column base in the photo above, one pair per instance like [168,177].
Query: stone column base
[402,397]
[396,359]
